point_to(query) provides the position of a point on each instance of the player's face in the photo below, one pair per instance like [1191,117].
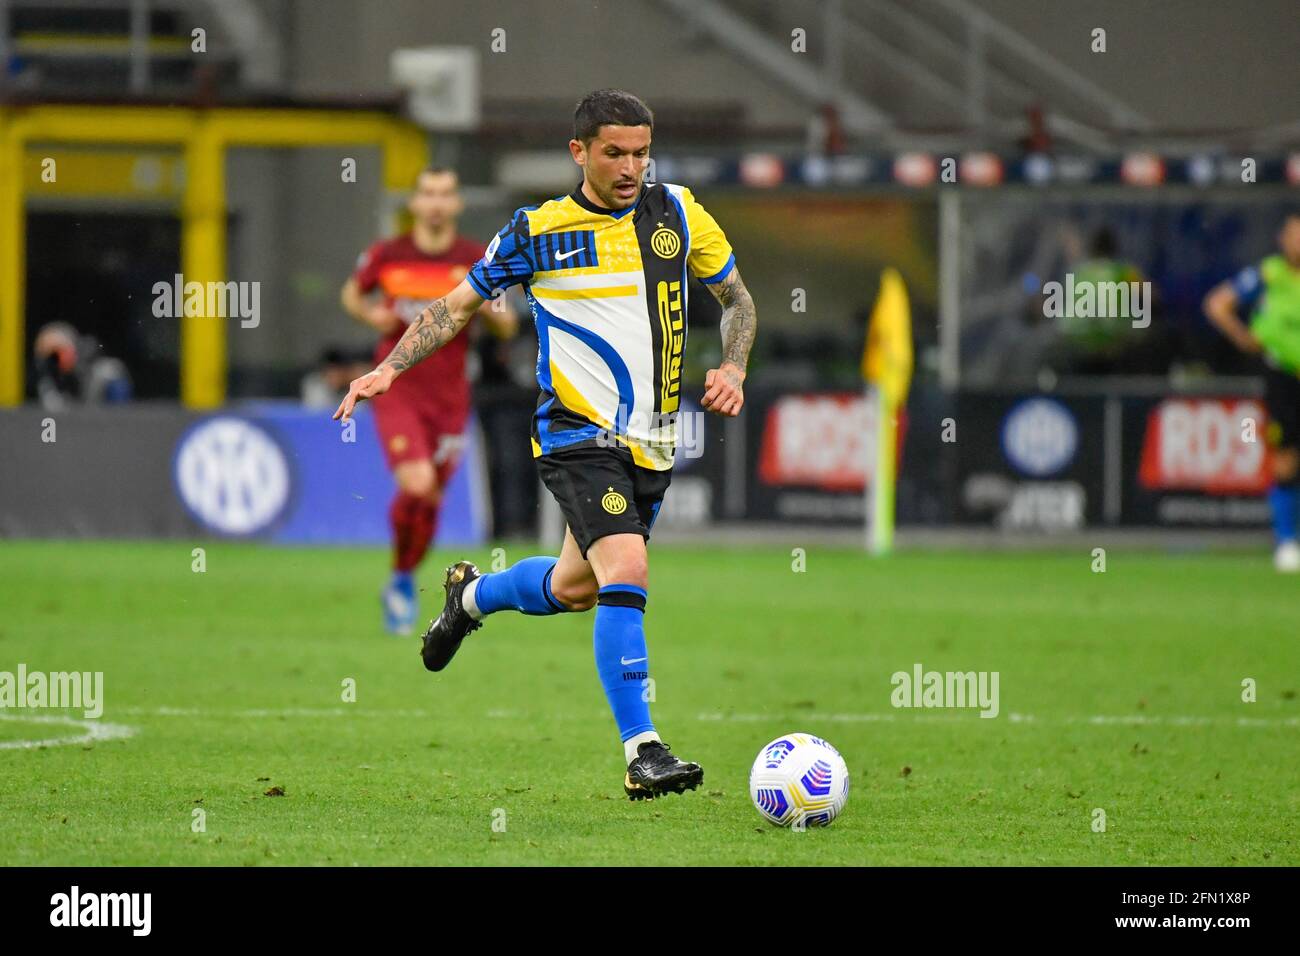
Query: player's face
[614,163]
[1289,240]
[436,200]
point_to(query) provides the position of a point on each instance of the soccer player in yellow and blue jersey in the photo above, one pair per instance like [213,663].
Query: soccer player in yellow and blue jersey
[605,271]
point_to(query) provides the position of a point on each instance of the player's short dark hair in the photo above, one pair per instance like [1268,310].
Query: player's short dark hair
[435,171]
[615,107]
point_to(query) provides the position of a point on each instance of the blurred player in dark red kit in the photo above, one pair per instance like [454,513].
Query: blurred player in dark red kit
[421,422]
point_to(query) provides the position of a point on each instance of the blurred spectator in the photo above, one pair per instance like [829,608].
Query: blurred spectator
[1102,343]
[325,386]
[68,368]
[1037,139]
[826,132]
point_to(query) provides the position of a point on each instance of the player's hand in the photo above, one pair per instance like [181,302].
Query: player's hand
[383,319]
[367,386]
[723,391]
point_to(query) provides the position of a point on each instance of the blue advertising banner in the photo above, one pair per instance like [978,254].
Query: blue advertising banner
[280,472]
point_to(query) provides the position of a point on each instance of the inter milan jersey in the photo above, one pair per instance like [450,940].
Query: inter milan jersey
[607,290]
[410,280]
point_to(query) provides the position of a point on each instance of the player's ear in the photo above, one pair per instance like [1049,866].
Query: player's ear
[578,152]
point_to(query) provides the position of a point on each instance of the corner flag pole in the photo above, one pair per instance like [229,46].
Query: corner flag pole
[887,368]
[881,488]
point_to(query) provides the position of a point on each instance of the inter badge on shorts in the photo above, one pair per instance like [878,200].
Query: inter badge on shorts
[613,502]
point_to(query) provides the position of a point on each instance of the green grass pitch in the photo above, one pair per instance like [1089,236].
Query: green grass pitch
[1119,691]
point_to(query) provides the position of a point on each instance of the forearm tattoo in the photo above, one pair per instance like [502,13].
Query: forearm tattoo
[435,327]
[739,322]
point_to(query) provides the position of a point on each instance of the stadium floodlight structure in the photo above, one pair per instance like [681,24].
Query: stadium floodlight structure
[203,136]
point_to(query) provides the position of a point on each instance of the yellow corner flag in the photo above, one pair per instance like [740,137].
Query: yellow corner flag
[887,356]
[887,367]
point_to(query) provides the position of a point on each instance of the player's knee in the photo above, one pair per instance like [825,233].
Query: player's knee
[630,570]
[575,595]
[416,482]
[418,488]
[620,559]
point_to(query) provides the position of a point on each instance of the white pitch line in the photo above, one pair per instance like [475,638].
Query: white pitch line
[903,715]
[95,731]
[267,712]
[1173,720]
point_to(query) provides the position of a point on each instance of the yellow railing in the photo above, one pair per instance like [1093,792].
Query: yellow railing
[204,135]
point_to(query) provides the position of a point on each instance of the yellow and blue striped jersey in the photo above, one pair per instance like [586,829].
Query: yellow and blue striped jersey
[607,290]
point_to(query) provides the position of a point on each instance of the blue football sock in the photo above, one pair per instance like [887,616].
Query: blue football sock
[1282,499]
[525,586]
[621,659]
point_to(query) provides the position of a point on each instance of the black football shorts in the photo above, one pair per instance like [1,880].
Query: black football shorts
[1282,399]
[601,491]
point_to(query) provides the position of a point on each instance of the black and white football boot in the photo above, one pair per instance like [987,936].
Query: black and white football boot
[446,631]
[656,771]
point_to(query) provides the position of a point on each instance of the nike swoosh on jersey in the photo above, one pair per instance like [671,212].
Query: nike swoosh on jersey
[561,256]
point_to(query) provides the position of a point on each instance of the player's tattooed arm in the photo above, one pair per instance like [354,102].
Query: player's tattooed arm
[435,327]
[723,386]
[739,320]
